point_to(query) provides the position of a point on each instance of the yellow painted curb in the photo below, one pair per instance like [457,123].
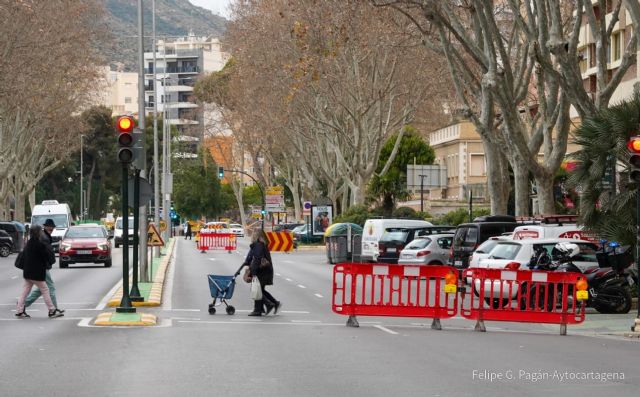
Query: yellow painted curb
[146,319]
[155,295]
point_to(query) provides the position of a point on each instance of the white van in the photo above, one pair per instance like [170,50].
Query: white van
[59,213]
[553,231]
[117,231]
[375,228]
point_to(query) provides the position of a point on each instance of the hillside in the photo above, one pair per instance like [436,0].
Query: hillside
[173,18]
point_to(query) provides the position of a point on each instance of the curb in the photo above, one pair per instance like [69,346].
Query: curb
[144,319]
[155,295]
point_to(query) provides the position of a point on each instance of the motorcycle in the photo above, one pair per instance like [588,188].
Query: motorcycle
[609,283]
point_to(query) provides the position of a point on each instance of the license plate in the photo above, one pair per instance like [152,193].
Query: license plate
[406,255]
[84,252]
[391,250]
[458,263]
[630,280]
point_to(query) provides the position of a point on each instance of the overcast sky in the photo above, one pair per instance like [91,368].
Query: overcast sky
[217,6]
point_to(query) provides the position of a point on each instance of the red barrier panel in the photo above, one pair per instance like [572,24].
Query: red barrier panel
[394,290]
[524,296]
[216,241]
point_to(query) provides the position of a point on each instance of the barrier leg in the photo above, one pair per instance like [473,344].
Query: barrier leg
[563,329]
[436,324]
[480,326]
[352,322]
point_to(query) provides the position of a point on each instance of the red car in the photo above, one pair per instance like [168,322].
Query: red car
[85,244]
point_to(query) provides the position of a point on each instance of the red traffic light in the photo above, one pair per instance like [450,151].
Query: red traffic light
[125,124]
[634,144]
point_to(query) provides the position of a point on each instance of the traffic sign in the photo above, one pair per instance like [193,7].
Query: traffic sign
[274,199]
[163,225]
[280,241]
[146,192]
[153,237]
[306,208]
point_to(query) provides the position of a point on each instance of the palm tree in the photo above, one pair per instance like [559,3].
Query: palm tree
[604,140]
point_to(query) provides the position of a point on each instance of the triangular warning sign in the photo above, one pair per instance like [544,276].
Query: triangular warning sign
[153,237]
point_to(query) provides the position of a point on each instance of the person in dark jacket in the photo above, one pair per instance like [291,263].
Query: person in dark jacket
[36,259]
[258,250]
[47,240]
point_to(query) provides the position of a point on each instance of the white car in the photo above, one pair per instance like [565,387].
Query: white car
[237,229]
[517,254]
[484,249]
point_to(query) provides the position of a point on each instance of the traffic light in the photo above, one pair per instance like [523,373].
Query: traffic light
[124,126]
[220,172]
[634,158]
[263,212]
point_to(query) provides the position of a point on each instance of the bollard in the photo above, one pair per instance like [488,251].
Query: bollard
[436,324]
[352,322]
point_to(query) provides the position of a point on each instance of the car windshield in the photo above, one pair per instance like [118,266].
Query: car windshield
[236,225]
[505,251]
[85,232]
[300,229]
[119,223]
[486,247]
[398,235]
[60,220]
[418,244]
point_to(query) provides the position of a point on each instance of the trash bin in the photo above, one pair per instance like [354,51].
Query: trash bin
[339,239]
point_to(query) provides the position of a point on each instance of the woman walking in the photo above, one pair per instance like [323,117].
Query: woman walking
[35,260]
[259,250]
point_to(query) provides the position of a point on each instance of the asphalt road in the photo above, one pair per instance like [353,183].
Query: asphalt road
[306,350]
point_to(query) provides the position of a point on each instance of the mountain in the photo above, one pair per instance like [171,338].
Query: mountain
[173,18]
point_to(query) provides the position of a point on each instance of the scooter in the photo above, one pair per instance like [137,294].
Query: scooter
[609,283]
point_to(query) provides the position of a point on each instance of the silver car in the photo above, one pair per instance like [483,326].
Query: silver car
[427,250]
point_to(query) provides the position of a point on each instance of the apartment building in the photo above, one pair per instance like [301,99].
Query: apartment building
[619,39]
[118,91]
[178,63]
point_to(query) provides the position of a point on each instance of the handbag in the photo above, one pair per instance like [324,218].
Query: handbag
[20,261]
[247,275]
[264,262]
[256,290]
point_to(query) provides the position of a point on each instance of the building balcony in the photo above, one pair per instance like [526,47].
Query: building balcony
[183,122]
[178,88]
[182,105]
[174,70]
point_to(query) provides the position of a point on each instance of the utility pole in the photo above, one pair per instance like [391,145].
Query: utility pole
[81,178]
[422,191]
[156,171]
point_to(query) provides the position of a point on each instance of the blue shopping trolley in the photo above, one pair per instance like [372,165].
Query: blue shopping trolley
[222,289]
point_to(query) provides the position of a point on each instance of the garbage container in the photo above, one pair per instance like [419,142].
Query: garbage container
[339,239]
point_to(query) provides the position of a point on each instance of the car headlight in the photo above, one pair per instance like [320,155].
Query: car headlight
[65,246]
[103,246]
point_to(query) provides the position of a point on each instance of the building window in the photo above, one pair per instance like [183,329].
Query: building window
[616,41]
[592,55]
[583,58]
[127,99]
[476,165]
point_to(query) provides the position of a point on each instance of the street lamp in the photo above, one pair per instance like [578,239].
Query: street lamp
[81,179]
[422,191]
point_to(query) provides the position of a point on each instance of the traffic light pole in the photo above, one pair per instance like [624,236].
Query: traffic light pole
[261,193]
[636,326]
[125,303]
[135,292]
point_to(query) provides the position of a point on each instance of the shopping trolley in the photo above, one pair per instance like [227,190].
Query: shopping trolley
[222,288]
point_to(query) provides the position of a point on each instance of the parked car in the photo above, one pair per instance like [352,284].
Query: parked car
[286,226]
[6,244]
[237,229]
[517,254]
[427,250]
[301,234]
[484,249]
[394,240]
[16,231]
[85,244]
[217,227]
[374,229]
[469,236]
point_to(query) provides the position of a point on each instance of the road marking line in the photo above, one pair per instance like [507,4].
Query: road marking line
[212,259]
[288,279]
[103,303]
[167,293]
[306,321]
[380,327]
[14,277]
[301,286]
[292,262]
[318,295]
[182,310]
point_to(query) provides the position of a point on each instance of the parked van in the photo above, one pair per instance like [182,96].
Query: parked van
[554,227]
[59,213]
[469,236]
[375,228]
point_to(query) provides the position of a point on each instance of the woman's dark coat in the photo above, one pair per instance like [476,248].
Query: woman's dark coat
[36,260]
[257,251]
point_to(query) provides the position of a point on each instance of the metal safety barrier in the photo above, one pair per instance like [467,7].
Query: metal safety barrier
[524,296]
[394,290]
[216,241]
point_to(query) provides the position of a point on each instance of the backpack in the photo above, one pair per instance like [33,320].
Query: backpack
[20,260]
